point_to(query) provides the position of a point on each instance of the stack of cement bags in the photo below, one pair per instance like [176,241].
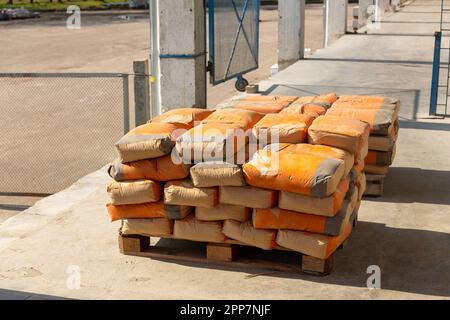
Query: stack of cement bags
[319,190]
[146,162]
[382,116]
[217,148]
[204,182]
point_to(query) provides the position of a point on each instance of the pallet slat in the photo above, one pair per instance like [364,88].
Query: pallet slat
[375,185]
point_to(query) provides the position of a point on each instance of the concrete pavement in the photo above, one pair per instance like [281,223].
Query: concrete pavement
[406,232]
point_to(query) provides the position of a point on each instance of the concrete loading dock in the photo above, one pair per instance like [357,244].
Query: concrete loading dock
[405,233]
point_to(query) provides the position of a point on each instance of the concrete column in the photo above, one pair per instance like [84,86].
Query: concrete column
[291,32]
[182,53]
[141,92]
[335,20]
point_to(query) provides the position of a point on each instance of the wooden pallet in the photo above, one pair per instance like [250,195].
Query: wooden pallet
[230,254]
[375,185]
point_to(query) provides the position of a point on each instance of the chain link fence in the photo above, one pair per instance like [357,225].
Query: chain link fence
[57,128]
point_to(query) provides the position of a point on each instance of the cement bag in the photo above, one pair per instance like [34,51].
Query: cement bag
[294,172]
[314,106]
[264,104]
[381,121]
[192,229]
[302,108]
[151,140]
[136,211]
[291,220]
[159,169]
[368,102]
[312,244]
[134,192]
[223,212]
[151,227]
[344,133]
[376,169]
[245,233]
[361,184]
[210,174]
[187,116]
[327,206]
[283,128]
[212,142]
[325,100]
[183,193]
[387,143]
[380,158]
[248,196]
[244,119]
[323,151]
[176,212]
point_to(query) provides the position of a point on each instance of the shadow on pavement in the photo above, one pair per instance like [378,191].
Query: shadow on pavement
[21,295]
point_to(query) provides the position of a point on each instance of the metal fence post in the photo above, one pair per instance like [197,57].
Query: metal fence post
[126,104]
[141,92]
[435,75]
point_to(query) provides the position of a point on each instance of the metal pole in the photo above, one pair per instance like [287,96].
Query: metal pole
[435,75]
[154,59]
[126,104]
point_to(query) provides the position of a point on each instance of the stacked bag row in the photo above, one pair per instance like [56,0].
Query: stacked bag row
[147,162]
[382,116]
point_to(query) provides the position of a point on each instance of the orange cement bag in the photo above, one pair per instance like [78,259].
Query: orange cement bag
[368,102]
[294,172]
[151,227]
[291,220]
[314,106]
[325,100]
[386,143]
[212,142]
[381,121]
[361,184]
[248,196]
[151,140]
[244,119]
[159,169]
[137,211]
[187,116]
[244,232]
[211,174]
[283,128]
[176,212]
[376,169]
[264,104]
[301,108]
[380,158]
[344,133]
[327,206]
[312,244]
[134,192]
[318,150]
[183,193]
[223,212]
[195,230]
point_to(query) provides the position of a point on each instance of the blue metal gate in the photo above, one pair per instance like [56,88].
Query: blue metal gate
[233,38]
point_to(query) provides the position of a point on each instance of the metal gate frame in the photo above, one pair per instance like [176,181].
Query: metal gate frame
[240,18]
